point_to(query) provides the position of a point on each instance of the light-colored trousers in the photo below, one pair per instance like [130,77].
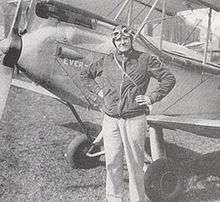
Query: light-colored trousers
[124,136]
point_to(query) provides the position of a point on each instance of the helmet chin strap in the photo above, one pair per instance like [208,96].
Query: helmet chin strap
[125,52]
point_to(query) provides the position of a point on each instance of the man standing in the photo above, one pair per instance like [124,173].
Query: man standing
[125,75]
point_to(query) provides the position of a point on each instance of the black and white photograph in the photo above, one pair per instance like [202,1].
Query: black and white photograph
[109,100]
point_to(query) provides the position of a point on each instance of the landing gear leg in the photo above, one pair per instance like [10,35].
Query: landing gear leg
[79,146]
[157,143]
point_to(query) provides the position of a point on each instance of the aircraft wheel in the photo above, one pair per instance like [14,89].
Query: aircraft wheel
[163,181]
[76,153]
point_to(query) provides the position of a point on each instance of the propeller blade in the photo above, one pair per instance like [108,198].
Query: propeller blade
[5,81]
[12,45]
[17,18]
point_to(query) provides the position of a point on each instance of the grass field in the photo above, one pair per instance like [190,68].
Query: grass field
[35,132]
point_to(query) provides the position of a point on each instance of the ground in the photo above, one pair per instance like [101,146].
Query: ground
[34,133]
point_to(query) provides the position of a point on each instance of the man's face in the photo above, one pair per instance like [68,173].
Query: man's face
[123,43]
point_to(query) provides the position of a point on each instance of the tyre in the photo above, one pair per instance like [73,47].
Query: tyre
[76,153]
[163,181]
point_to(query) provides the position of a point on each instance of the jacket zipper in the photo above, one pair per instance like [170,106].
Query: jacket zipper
[120,96]
[120,88]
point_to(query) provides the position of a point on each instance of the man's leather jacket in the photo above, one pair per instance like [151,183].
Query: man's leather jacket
[122,78]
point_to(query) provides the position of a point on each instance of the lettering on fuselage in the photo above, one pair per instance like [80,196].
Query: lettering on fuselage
[78,65]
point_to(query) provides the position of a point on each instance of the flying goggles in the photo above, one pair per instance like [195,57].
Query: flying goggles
[120,31]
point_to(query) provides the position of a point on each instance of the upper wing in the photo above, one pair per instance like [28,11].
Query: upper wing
[175,6]
[203,127]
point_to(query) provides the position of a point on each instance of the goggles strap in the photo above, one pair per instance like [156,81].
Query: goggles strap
[122,69]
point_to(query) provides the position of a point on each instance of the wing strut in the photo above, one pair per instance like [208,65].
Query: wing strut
[146,18]
[82,125]
[122,9]
[169,13]
[162,24]
[130,12]
[207,36]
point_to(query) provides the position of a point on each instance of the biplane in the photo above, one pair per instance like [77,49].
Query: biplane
[50,41]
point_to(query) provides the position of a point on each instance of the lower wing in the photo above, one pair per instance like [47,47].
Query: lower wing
[202,127]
